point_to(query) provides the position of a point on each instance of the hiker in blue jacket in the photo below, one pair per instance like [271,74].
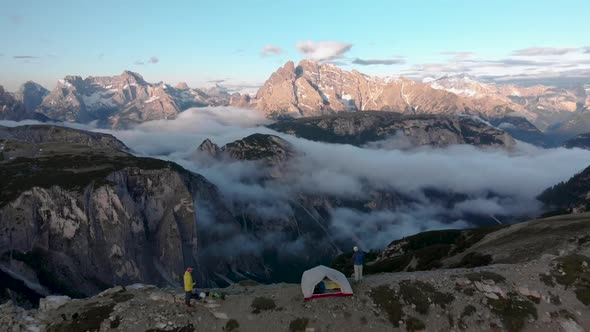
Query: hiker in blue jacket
[358,259]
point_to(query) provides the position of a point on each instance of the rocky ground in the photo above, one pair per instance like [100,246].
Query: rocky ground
[550,293]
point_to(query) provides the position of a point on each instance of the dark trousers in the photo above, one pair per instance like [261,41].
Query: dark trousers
[187,297]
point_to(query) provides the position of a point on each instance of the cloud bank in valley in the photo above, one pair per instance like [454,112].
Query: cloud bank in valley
[497,183]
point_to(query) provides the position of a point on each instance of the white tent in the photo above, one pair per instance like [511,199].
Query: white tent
[312,277]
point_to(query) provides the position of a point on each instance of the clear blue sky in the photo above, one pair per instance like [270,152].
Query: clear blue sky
[197,41]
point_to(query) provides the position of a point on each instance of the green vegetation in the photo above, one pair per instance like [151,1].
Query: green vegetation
[469,291]
[232,325]
[564,314]
[513,311]
[414,324]
[574,271]
[298,325]
[468,311]
[116,322]
[247,283]
[260,304]
[387,300]
[90,318]
[427,248]
[474,259]
[68,171]
[547,279]
[422,294]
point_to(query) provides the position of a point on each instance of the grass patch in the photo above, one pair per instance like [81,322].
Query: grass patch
[364,320]
[547,279]
[298,325]
[564,314]
[387,300]
[574,271]
[554,299]
[422,294]
[116,322]
[260,304]
[468,311]
[583,294]
[513,311]
[89,319]
[571,269]
[232,325]
[474,259]
[485,275]
[414,324]
[247,283]
[69,171]
[469,291]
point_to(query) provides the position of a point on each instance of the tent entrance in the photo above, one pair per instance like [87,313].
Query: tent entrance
[327,286]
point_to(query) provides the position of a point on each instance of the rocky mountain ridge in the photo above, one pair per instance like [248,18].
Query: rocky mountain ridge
[124,100]
[537,291]
[361,128]
[543,105]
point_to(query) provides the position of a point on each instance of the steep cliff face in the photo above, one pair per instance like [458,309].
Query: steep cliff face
[88,215]
[31,94]
[11,108]
[359,128]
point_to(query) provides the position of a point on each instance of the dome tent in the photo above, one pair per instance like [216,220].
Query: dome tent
[314,276]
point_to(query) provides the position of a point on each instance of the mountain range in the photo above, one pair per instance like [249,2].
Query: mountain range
[303,90]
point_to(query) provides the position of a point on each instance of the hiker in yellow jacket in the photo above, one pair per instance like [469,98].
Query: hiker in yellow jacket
[188,286]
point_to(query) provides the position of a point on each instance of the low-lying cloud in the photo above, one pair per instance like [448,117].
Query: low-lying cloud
[493,184]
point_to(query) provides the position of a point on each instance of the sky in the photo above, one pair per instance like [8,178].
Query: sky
[243,42]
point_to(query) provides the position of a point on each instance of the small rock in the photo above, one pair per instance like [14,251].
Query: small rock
[570,326]
[53,302]
[492,296]
[220,315]
[110,291]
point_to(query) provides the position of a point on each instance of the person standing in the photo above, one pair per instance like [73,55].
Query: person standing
[188,286]
[358,259]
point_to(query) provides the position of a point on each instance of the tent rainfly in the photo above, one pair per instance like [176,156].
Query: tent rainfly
[314,276]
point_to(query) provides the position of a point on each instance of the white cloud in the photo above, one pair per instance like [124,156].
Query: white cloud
[154,59]
[386,62]
[323,50]
[539,51]
[271,50]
